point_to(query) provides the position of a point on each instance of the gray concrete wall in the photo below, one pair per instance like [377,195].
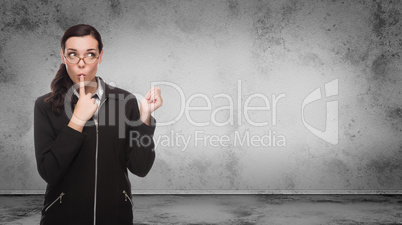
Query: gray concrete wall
[274,55]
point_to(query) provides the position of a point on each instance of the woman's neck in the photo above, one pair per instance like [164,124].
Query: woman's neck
[92,87]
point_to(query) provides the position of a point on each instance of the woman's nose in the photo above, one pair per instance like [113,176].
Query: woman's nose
[81,63]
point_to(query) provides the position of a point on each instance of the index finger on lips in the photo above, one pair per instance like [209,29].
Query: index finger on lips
[82,86]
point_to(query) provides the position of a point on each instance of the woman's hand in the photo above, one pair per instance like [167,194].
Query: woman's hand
[86,106]
[151,102]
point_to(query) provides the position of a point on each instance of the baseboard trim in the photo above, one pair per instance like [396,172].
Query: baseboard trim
[228,192]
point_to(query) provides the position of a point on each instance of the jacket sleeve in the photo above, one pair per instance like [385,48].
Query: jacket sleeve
[54,152]
[140,143]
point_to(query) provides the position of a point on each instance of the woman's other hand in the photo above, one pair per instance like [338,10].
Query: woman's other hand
[151,102]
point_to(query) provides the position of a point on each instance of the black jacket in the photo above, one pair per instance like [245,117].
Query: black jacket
[86,173]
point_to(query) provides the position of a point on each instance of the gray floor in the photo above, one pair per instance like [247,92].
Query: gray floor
[236,209]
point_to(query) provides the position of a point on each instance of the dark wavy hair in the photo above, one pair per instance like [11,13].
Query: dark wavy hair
[62,82]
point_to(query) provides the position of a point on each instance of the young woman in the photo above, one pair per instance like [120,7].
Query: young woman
[87,134]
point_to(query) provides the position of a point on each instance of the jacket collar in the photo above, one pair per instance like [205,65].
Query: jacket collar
[109,91]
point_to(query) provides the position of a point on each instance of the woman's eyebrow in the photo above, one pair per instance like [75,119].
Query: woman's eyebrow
[90,49]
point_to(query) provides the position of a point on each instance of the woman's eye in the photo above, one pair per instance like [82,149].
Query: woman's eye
[71,54]
[91,55]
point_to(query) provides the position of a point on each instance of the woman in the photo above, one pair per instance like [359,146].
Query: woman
[87,134]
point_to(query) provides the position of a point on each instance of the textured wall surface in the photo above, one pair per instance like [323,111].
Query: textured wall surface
[219,53]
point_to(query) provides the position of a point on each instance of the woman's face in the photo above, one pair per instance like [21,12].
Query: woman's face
[81,47]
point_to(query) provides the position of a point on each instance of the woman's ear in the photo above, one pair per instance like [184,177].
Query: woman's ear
[100,57]
[62,57]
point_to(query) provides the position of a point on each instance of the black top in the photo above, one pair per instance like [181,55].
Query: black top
[86,173]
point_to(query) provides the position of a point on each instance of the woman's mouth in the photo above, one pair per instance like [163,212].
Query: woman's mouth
[81,74]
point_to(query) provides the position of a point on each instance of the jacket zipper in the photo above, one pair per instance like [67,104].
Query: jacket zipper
[60,197]
[127,197]
[96,163]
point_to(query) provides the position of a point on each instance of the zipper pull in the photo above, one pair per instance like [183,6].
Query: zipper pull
[127,197]
[61,196]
